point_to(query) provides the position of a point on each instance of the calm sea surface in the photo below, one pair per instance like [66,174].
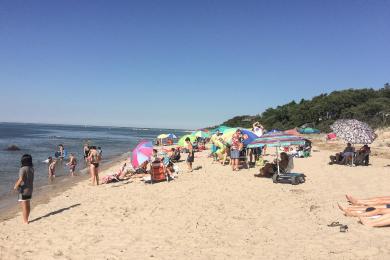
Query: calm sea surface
[41,141]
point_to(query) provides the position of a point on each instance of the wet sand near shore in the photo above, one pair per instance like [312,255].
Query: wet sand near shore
[211,213]
[42,193]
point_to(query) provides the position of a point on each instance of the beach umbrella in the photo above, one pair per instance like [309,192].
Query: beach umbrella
[172,136]
[162,136]
[221,129]
[201,134]
[309,130]
[353,131]
[141,153]
[248,135]
[277,140]
[182,141]
[273,131]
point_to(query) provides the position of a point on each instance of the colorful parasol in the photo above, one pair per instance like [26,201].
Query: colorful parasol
[142,153]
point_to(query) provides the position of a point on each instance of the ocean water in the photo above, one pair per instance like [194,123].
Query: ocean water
[41,141]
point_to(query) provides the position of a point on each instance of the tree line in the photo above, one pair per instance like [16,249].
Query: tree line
[367,105]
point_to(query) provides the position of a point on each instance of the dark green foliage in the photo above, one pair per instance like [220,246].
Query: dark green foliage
[368,105]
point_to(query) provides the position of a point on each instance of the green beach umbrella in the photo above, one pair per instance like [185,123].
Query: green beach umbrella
[182,141]
[200,134]
[221,129]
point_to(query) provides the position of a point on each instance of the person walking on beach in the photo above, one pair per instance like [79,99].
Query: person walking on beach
[235,149]
[25,185]
[94,158]
[72,164]
[191,157]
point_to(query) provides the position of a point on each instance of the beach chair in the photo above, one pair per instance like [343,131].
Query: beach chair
[285,175]
[158,172]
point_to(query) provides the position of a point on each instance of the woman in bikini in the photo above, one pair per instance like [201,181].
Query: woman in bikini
[94,158]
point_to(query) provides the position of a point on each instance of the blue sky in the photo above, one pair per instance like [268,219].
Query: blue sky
[184,64]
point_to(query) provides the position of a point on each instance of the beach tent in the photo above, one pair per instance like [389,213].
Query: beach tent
[331,136]
[309,130]
[165,136]
[292,132]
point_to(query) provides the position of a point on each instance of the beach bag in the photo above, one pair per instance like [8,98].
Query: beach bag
[260,162]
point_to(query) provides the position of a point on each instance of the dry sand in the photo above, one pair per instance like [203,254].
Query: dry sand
[212,213]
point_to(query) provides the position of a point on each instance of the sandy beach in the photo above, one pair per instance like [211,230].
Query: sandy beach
[211,213]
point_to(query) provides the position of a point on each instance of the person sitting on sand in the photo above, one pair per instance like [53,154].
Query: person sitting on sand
[175,155]
[270,169]
[363,156]
[120,175]
[343,157]
[154,155]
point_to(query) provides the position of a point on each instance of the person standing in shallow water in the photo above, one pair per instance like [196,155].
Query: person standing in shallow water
[94,158]
[72,164]
[25,185]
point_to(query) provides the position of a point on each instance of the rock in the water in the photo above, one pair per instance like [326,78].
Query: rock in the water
[13,148]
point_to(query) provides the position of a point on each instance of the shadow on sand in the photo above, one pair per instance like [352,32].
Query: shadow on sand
[55,212]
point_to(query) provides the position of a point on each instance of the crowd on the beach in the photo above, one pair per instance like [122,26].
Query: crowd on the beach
[162,166]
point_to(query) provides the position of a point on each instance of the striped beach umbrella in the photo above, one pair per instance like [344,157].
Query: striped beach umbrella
[277,140]
[141,153]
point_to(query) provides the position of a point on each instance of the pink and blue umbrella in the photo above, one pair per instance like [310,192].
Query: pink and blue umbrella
[142,153]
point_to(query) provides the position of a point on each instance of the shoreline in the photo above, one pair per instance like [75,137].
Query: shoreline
[43,193]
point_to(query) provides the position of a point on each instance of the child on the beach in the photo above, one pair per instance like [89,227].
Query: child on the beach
[72,164]
[52,167]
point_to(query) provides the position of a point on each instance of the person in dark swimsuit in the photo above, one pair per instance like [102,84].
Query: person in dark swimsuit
[86,152]
[94,159]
